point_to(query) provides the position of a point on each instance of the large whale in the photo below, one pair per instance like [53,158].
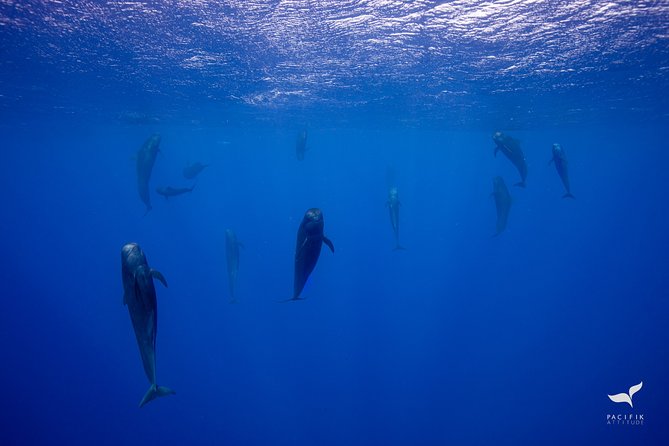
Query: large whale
[232,257]
[139,295]
[510,147]
[146,157]
[393,204]
[310,240]
[301,145]
[561,165]
[502,202]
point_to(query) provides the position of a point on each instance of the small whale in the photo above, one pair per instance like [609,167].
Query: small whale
[146,157]
[139,295]
[502,202]
[561,165]
[232,246]
[301,145]
[511,148]
[193,170]
[170,191]
[394,204]
[310,240]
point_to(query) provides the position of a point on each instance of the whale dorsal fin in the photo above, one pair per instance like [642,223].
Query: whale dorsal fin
[158,275]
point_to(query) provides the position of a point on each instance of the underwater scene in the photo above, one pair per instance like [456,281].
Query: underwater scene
[360,222]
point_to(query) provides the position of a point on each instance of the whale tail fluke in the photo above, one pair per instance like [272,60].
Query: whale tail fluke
[155,392]
[568,195]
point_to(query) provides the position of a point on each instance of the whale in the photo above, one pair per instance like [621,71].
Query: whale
[310,240]
[145,159]
[232,246]
[193,170]
[510,147]
[393,205]
[301,145]
[139,295]
[170,191]
[502,203]
[561,165]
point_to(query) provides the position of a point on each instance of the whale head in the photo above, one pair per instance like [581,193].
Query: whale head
[313,221]
[132,255]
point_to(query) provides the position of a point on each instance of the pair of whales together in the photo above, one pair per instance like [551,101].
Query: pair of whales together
[145,159]
[510,147]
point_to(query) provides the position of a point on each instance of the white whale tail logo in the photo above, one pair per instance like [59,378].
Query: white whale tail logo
[624,397]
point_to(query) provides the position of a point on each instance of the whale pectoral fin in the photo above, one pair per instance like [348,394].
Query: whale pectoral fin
[552,160]
[125,299]
[328,242]
[158,275]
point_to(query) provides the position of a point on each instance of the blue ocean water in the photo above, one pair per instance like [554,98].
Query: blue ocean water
[462,338]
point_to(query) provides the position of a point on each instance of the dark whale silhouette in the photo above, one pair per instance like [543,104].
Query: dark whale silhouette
[511,149]
[502,202]
[139,295]
[310,239]
[170,191]
[394,204]
[232,257]
[193,170]
[561,165]
[146,157]
[301,145]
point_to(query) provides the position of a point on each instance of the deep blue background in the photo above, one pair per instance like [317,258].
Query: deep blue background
[463,338]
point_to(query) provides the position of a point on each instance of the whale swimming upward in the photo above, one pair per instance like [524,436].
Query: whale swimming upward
[393,205]
[145,159]
[139,295]
[310,240]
